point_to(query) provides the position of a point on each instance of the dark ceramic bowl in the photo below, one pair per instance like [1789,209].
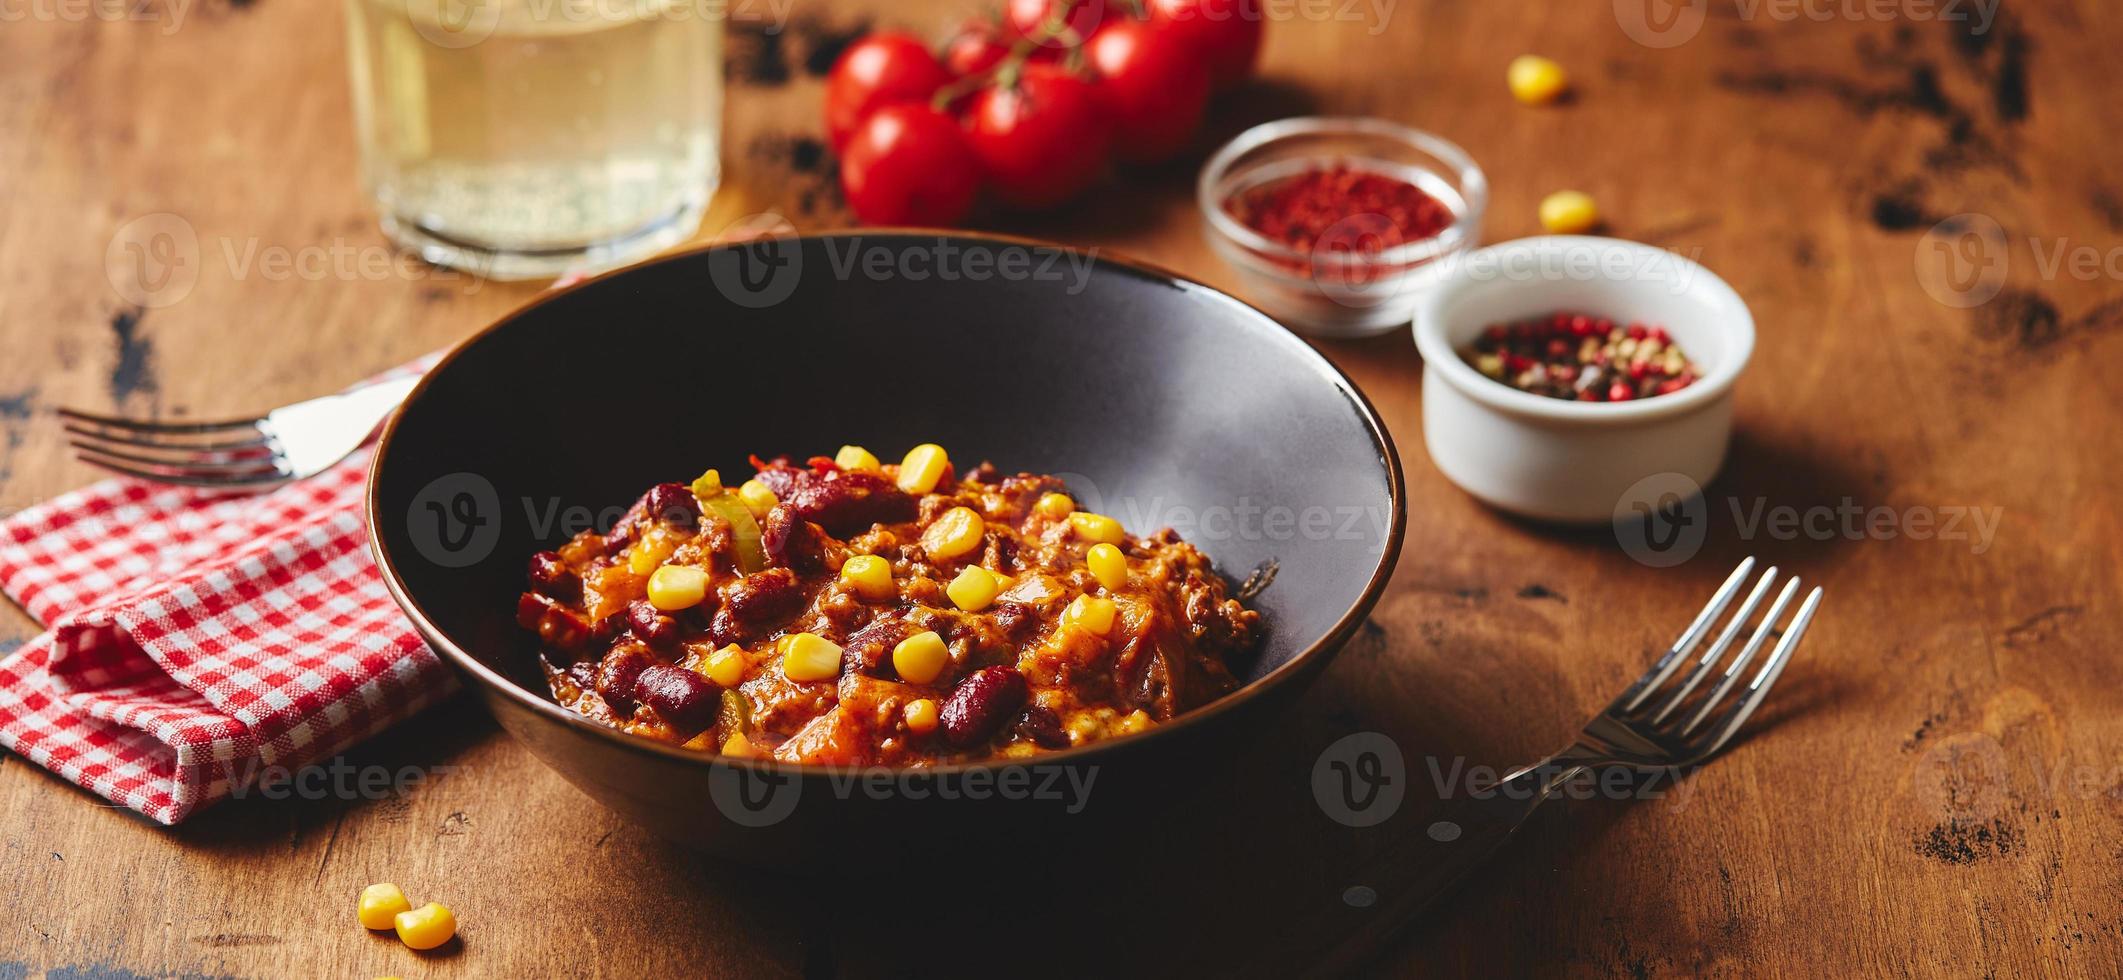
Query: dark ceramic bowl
[1162,401]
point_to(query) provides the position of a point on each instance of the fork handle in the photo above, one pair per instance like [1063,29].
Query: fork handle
[1461,836]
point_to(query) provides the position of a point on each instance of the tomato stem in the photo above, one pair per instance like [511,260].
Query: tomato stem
[1008,69]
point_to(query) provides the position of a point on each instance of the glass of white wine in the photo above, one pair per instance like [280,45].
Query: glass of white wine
[520,139]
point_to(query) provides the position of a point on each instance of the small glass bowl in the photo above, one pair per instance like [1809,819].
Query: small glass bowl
[1338,289]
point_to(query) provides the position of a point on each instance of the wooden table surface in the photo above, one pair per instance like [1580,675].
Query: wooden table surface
[1937,787]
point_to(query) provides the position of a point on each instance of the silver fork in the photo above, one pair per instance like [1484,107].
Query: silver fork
[288,443]
[1652,726]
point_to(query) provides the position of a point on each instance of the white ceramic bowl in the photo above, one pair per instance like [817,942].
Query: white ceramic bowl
[1566,461]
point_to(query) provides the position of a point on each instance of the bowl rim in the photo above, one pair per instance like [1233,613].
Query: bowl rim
[1402,259]
[1312,655]
[1441,360]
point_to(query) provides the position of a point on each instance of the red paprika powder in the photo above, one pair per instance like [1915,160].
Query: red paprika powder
[1342,208]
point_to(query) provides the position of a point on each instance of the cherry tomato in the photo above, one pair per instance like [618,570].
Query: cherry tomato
[1042,140]
[1154,85]
[1227,33]
[974,49]
[1026,18]
[909,164]
[881,69]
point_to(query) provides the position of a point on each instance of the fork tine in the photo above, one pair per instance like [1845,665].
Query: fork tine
[170,442]
[1645,685]
[254,478]
[1718,647]
[136,425]
[1758,689]
[198,465]
[1739,664]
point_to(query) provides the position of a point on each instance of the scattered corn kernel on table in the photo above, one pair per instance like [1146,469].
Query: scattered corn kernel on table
[1935,789]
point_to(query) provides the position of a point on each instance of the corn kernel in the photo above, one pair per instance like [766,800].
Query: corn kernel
[1091,614]
[1569,213]
[856,458]
[810,657]
[757,498]
[1137,721]
[1097,527]
[1054,506]
[1107,565]
[426,927]
[708,485]
[923,468]
[921,658]
[921,716]
[380,905]
[869,577]
[676,587]
[737,744]
[973,589]
[727,665]
[652,550]
[955,532]
[1535,80]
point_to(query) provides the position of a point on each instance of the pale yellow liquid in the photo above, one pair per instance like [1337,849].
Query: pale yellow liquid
[527,137]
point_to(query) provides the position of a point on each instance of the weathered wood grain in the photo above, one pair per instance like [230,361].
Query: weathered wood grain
[1937,788]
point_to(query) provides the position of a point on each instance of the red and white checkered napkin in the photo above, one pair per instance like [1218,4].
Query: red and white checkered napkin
[198,637]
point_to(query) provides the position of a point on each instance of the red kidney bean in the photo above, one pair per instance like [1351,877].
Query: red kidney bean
[1043,727]
[724,629]
[844,502]
[679,695]
[650,626]
[583,674]
[764,595]
[981,703]
[791,541]
[672,503]
[553,577]
[618,679]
